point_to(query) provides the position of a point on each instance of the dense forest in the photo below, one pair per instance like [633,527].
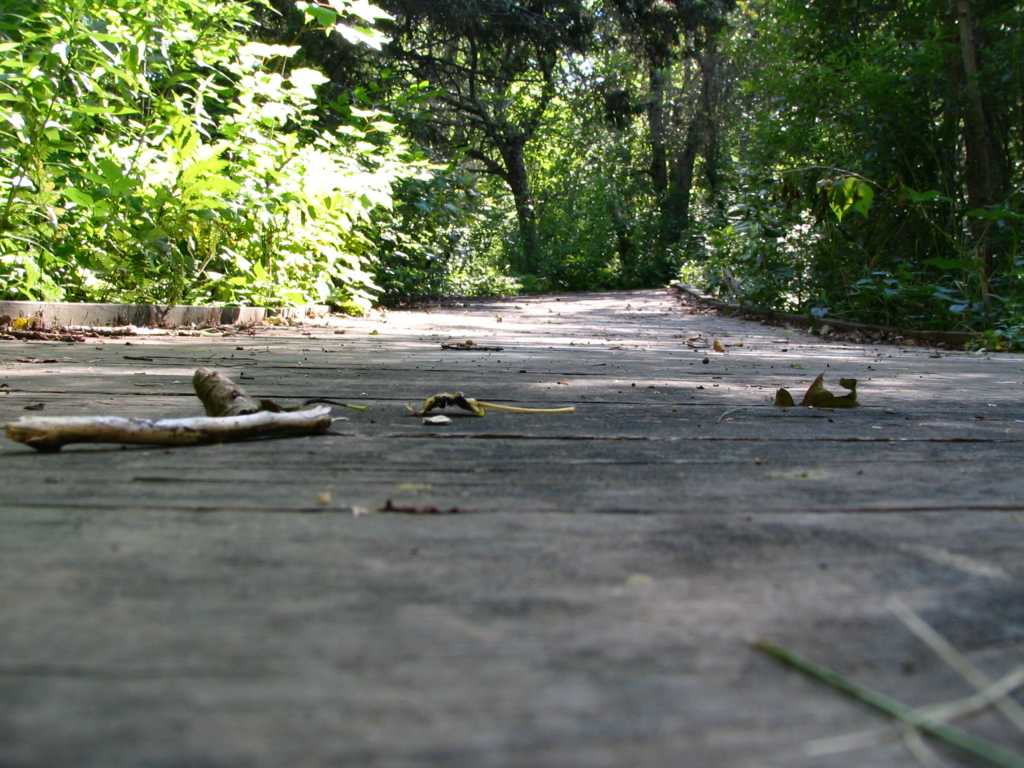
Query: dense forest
[853,158]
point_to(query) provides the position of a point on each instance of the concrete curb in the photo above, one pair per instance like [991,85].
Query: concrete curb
[949,338]
[148,315]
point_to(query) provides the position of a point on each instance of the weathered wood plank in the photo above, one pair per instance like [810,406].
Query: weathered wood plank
[591,603]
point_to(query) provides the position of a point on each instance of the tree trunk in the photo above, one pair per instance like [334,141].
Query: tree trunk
[656,122]
[980,192]
[519,182]
[979,170]
[675,214]
[663,172]
[701,140]
[714,90]
[624,246]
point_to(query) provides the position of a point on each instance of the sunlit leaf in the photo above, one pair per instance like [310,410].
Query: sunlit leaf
[77,196]
[360,8]
[305,80]
[365,35]
[264,50]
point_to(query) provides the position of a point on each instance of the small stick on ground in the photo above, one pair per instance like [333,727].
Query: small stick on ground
[221,396]
[231,415]
[51,433]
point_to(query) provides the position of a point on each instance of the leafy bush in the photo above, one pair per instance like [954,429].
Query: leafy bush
[153,154]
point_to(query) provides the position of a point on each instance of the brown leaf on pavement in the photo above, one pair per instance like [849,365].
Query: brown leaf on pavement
[819,397]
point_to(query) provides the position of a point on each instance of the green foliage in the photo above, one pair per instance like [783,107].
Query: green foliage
[436,241]
[582,188]
[154,155]
[848,194]
[809,156]
[862,113]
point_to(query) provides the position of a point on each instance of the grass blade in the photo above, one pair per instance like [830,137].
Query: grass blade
[948,733]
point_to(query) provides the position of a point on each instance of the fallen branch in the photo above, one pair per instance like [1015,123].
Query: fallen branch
[230,415]
[102,330]
[51,433]
[471,346]
[20,335]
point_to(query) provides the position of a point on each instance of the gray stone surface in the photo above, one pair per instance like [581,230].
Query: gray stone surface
[590,604]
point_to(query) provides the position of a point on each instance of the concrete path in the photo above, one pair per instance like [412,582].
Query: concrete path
[589,596]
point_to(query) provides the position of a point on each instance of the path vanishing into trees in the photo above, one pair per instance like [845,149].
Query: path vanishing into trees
[588,594]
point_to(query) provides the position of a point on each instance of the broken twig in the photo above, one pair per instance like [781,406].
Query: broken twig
[222,397]
[51,433]
[231,414]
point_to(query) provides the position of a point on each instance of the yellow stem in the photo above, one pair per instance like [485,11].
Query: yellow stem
[524,410]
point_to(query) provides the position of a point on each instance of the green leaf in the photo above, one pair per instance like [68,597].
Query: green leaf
[864,196]
[365,35]
[87,109]
[262,50]
[325,17]
[947,264]
[206,187]
[922,197]
[849,194]
[361,9]
[203,167]
[32,272]
[993,214]
[77,196]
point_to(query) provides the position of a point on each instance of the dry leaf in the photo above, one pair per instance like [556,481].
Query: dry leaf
[718,346]
[819,397]
[783,399]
